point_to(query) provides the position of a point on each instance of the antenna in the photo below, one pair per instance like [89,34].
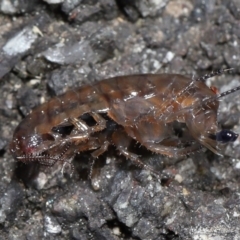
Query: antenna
[213,74]
[220,95]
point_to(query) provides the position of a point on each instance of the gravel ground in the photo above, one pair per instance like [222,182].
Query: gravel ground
[47,47]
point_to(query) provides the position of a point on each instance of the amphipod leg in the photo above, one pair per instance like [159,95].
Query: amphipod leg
[79,140]
[122,142]
[172,151]
[95,170]
[156,137]
[72,148]
[82,131]
[81,126]
[50,158]
[64,150]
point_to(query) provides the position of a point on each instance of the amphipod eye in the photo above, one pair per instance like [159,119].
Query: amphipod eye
[226,136]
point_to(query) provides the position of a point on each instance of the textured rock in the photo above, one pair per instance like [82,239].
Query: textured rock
[81,42]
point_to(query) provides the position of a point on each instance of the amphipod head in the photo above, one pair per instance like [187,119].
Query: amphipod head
[26,145]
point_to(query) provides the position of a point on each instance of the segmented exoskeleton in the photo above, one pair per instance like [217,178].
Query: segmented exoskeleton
[142,107]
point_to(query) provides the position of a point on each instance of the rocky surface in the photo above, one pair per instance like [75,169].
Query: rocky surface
[47,47]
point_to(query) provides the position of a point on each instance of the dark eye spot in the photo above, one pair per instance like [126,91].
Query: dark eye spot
[226,136]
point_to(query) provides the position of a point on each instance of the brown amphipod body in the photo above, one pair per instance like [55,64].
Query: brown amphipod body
[140,107]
